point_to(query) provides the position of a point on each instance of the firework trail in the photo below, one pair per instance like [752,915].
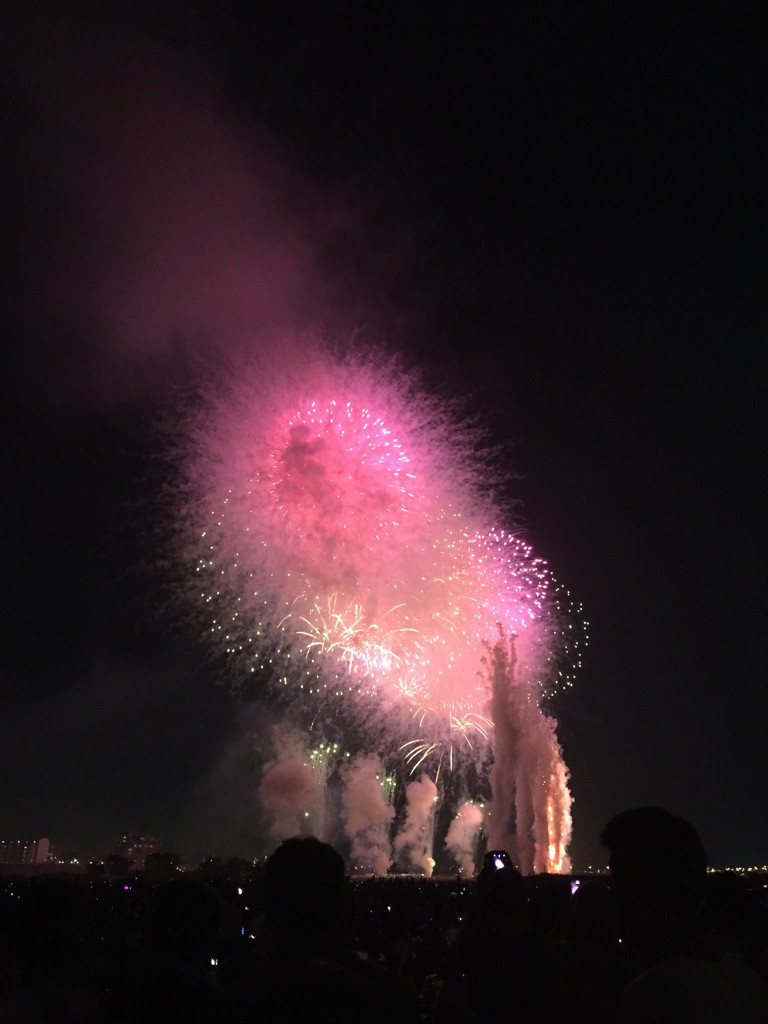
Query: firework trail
[346,554]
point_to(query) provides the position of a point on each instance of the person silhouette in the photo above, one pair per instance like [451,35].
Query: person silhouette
[659,870]
[171,980]
[311,973]
[508,965]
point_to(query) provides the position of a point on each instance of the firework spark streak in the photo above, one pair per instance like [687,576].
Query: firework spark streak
[346,550]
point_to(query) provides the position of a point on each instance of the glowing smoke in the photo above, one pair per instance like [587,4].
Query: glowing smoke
[367,815]
[292,789]
[413,843]
[546,811]
[530,815]
[505,711]
[174,233]
[461,838]
[283,793]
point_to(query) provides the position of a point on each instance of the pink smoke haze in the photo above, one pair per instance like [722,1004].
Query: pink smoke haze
[462,837]
[367,815]
[284,793]
[292,790]
[175,232]
[415,838]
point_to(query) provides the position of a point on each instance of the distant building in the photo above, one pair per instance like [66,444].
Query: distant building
[138,848]
[15,852]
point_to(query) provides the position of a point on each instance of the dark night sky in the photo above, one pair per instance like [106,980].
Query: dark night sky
[556,211]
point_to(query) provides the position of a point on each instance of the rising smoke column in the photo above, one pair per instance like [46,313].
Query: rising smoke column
[367,815]
[531,809]
[414,841]
[284,792]
[505,781]
[543,798]
[461,838]
[292,789]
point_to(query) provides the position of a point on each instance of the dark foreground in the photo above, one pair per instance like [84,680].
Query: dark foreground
[76,950]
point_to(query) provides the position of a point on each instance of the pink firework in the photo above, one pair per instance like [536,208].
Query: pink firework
[340,482]
[478,583]
[347,549]
[338,513]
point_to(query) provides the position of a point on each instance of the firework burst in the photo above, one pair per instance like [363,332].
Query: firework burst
[346,550]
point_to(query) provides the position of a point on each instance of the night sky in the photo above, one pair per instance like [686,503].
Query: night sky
[554,212]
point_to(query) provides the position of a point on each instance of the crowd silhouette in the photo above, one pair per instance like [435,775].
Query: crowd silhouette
[659,940]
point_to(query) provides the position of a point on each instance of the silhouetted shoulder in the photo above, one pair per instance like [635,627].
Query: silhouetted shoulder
[343,989]
[692,990]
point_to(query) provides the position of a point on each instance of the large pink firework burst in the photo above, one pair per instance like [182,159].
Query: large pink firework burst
[335,510]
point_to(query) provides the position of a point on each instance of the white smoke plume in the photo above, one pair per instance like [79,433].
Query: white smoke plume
[291,793]
[550,797]
[505,712]
[413,843]
[461,838]
[530,814]
[367,815]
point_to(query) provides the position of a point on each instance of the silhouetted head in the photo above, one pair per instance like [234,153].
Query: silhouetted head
[303,888]
[659,869]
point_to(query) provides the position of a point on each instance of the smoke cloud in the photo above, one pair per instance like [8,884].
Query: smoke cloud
[530,814]
[413,843]
[461,838]
[290,792]
[151,227]
[505,773]
[367,815]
